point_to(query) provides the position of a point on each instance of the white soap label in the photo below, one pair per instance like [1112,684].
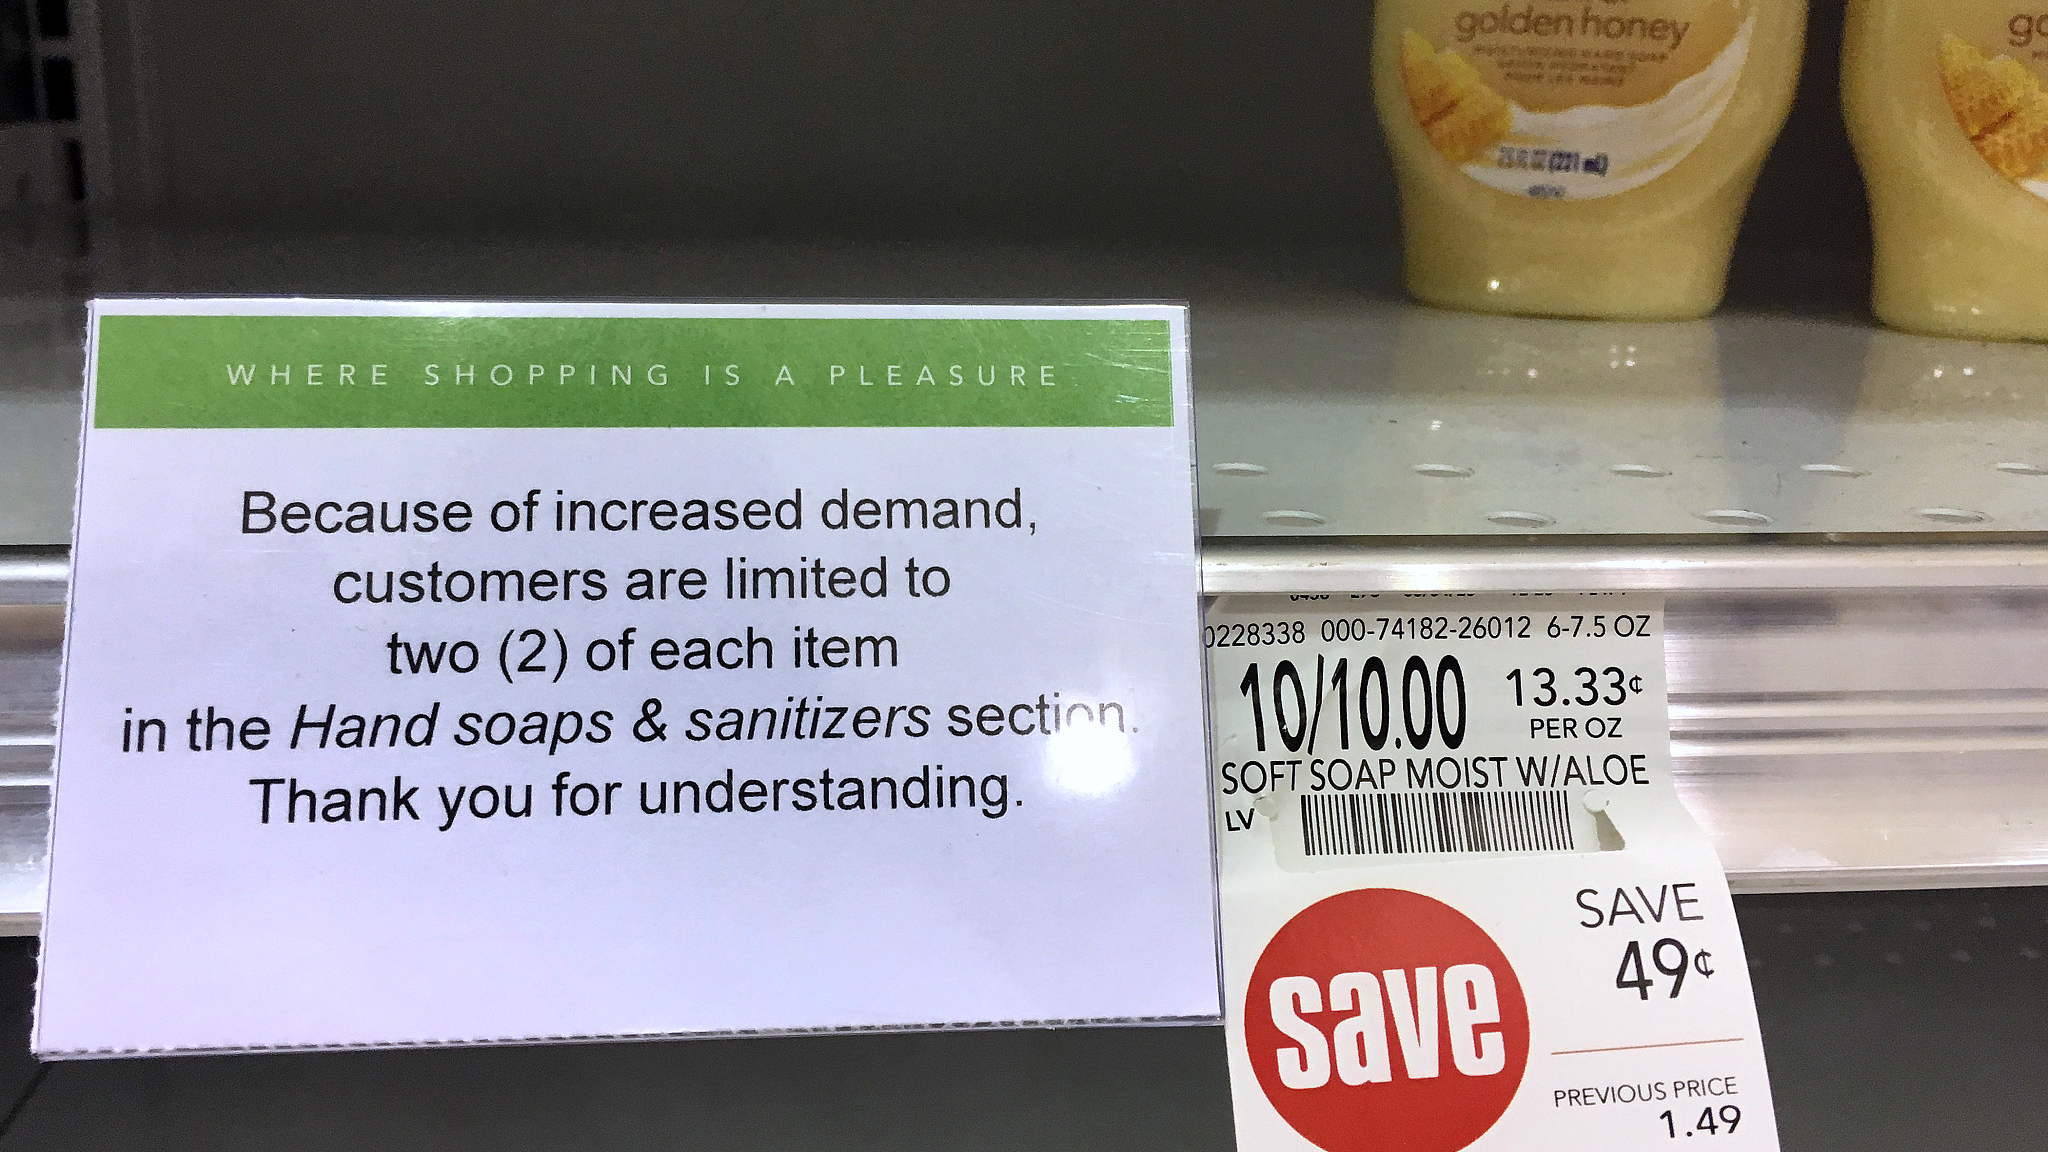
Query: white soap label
[1463,907]
[1573,101]
[466,673]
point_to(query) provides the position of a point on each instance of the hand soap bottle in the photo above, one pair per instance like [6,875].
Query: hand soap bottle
[1947,102]
[1580,157]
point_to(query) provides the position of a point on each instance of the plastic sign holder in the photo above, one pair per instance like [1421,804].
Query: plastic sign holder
[468,672]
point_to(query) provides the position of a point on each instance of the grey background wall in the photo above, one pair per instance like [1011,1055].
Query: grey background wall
[869,116]
[1232,121]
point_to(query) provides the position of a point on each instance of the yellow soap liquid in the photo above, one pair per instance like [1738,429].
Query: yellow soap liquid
[1947,102]
[1580,158]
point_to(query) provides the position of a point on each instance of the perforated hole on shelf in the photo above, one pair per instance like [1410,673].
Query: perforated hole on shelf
[1953,516]
[1736,517]
[1293,518]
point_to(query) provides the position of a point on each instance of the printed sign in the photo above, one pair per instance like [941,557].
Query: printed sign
[1579,104]
[446,673]
[1462,905]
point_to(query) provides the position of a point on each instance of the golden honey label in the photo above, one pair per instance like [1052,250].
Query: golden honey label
[1574,99]
[1994,72]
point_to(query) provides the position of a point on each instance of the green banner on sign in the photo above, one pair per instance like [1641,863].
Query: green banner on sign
[632,372]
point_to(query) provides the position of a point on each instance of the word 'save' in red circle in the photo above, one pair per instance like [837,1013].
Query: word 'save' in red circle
[1385,1021]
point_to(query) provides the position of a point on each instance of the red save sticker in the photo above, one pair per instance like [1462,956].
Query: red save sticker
[1380,1020]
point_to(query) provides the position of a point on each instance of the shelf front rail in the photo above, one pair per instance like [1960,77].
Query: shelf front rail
[1843,717]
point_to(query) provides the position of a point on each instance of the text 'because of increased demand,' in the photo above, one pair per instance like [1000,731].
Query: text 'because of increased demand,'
[262,513]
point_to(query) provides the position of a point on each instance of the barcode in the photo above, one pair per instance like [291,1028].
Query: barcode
[1400,823]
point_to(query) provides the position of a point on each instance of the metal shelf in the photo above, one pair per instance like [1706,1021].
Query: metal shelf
[1328,406]
[1850,526]
[1354,416]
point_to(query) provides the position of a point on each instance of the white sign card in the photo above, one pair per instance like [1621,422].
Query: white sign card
[1462,904]
[450,673]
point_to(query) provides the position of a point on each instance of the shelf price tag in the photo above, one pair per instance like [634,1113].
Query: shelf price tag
[1462,904]
[447,673]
